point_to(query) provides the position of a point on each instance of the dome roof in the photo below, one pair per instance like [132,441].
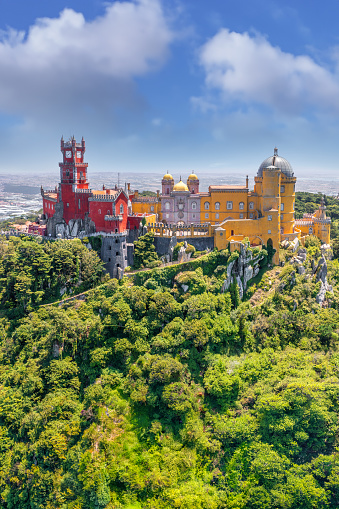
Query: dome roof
[277,162]
[192,177]
[180,186]
[168,176]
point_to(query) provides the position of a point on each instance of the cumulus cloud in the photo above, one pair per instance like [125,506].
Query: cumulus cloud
[68,61]
[249,69]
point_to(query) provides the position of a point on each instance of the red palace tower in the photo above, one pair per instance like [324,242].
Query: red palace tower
[73,208]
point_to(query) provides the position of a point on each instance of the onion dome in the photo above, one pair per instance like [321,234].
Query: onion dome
[192,177]
[180,186]
[168,176]
[277,162]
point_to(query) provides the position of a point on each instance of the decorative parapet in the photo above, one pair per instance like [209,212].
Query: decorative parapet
[322,221]
[113,218]
[302,222]
[103,197]
[84,191]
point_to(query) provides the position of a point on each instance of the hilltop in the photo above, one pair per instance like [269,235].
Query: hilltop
[160,391]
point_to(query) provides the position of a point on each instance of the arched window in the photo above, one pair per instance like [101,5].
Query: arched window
[229,205]
[241,205]
[194,205]
[121,208]
[207,205]
[251,205]
[152,208]
[310,230]
[99,211]
[167,190]
[167,205]
[217,205]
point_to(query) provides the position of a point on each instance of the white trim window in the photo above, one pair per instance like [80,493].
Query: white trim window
[241,215]
[282,189]
[207,205]
[206,215]
[229,205]
[251,205]
[241,205]
[194,205]
[167,205]
[269,218]
[251,215]
[121,208]
[217,215]
[282,206]
[217,205]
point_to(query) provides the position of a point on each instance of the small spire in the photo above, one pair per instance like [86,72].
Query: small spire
[180,178]
[275,151]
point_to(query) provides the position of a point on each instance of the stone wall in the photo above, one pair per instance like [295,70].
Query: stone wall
[200,243]
[114,254]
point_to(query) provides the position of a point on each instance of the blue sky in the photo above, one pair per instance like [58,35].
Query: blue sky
[172,85]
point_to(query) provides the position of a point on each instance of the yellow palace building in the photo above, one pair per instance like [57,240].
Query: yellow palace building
[265,215]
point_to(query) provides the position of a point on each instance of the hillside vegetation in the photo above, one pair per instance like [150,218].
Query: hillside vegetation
[147,396]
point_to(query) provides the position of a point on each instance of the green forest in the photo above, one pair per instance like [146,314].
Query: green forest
[159,391]
[146,396]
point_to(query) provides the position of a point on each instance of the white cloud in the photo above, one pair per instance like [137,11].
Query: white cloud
[68,62]
[249,69]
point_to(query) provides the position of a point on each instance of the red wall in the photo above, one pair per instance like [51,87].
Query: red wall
[48,207]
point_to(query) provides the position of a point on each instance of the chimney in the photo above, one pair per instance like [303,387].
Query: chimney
[247,181]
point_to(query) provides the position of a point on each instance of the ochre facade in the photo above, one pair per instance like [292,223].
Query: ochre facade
[264,215]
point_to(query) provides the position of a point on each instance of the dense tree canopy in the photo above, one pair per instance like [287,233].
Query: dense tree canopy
[172,394]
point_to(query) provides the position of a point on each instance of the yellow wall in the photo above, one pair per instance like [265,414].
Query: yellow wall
[142,207]
[222,197]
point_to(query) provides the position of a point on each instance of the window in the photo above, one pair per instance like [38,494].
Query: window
[241,205]
[121,209]
[99,211]
[152,208]
[109,248]
[167,216]
[281,206]
[241,215]
[293,206]
[109,259]
[268,231]
[282,189]
[217,205]
[79,203]
[207,205]
[117,241]
[194,205]
[281,231]
[167,190]
[251,205]
[67,204]
[229,205]
[167,205]
[269,218]
[281,217]
[310,230]
[194,215]
[206,215]
[251,215]
[117,253]
[217,215]
[232,232]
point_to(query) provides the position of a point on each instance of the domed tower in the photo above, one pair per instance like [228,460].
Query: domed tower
[193,183]
[275,185]
[167,184]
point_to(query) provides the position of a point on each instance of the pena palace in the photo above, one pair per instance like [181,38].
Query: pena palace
[233,212]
